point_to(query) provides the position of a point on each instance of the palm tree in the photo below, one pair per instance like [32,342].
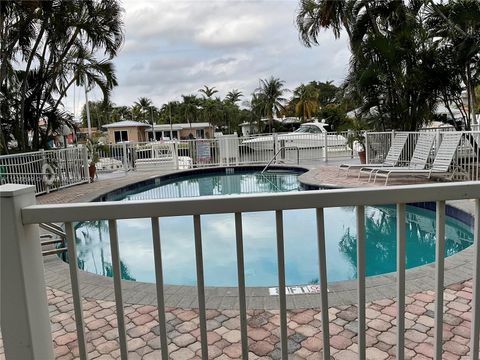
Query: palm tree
[305,101]
[121,113]
[144,106]
[457,23]
[270,94]
[190,108]
[315,15]
[207,91]
[233,96]
[56,44]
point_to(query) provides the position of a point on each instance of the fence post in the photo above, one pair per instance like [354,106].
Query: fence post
[125,157]
[367,149]
[275,145]
[23,300]
[175,154]
[349,134]
[86,173]
[325,147]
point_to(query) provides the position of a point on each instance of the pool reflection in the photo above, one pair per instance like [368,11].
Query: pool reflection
[218,236]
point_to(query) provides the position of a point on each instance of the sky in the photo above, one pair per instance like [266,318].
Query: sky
[174,47]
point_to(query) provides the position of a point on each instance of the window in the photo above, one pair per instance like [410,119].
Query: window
[200,133]
[121,135]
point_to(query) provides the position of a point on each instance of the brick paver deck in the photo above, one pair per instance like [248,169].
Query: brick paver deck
[304,326]
[304,329]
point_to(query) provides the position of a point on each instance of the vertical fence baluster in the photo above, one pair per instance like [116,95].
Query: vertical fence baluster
[400,281]
[241,284]
[117,282]
[475,325]
[77,300]
[200,285]
[281,283]
[439,277]
[157,256]
[322,261]
[360,210]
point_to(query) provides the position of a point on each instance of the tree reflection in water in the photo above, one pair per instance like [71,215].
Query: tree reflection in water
[380,239]
[88,244]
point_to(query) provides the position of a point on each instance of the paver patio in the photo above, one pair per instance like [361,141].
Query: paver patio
[304,329]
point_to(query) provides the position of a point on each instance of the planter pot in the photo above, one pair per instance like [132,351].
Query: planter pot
[362,155]
[92,170]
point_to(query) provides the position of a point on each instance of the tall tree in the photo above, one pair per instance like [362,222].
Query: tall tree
[305,101]
[208,91]
[144,106]
[47,47]
[399,70]
[270,95]
[457,26]
[233,96]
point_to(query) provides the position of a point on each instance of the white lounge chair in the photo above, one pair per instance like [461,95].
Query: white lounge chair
[441,164]
[419,159]
[392,158]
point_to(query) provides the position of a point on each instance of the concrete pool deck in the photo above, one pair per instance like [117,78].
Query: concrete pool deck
[223,319]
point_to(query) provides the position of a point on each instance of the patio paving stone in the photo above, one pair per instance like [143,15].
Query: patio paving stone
[304,341]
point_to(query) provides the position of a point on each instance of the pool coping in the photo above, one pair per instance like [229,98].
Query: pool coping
[458,267]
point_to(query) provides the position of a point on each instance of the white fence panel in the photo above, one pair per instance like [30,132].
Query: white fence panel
[46,170]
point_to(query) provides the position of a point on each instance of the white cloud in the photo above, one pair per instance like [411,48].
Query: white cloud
[226,32]
[174,47]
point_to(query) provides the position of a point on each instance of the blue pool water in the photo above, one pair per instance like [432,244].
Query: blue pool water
[218,236]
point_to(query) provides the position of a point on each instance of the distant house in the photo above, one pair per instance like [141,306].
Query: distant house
[201,130]
[126,130]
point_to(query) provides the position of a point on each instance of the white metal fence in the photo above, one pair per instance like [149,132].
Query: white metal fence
[70,166]
[47,170]
[25,311]
[226,150]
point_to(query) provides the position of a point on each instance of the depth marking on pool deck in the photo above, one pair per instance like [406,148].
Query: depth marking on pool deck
[294,290]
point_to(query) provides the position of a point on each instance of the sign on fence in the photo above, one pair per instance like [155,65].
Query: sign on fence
[203,151]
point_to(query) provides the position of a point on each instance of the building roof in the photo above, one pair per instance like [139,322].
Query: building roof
[175,127]
[126,123]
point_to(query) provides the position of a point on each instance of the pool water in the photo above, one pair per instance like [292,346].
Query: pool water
[218,236]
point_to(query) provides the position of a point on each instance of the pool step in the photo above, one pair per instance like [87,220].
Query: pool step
[52,241]
[54,251]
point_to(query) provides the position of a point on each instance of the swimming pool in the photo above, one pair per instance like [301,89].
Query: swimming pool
[218,235]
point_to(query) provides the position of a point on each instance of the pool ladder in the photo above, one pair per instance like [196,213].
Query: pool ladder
[283,148]
[49,239]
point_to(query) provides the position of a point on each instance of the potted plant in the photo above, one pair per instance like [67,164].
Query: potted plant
[356,139]
[93,148]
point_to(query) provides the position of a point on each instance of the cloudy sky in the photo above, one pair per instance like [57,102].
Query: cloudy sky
[174,47]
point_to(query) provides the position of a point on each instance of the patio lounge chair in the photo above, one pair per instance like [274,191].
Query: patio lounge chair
[392,158]
[441,164]
[419,158]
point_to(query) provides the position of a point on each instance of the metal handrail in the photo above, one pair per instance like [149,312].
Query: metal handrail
[278,152]
[54,229]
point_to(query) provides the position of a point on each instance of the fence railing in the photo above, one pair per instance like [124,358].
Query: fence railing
[46,170]
[55,169]
[25,311]
[226,150]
